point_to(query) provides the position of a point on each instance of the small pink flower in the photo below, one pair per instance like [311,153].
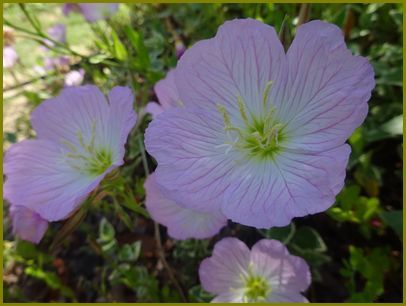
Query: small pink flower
[266,273]
[91,11]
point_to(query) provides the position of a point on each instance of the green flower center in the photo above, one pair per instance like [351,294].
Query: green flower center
[257,289]
[259,136]
[89,159]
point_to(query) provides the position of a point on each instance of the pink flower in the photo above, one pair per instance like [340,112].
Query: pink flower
[80,139]
[267,273]
[261,134]
[10,57]
[91,11]
[74,77]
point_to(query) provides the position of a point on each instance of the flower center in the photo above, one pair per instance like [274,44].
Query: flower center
[258,136]
[257,289]
[87,158]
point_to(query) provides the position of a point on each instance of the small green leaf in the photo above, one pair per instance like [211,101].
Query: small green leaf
[283,234]
[307,238]
[138,44]
[119,49]
[130,252]
[394,219]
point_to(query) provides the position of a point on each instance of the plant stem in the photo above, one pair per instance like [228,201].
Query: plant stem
[161,251]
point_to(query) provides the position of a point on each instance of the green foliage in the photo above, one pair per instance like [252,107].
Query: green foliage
[371,267]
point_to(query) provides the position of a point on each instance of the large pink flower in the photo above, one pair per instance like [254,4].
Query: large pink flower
[261,134]
[81,138]
[266,273]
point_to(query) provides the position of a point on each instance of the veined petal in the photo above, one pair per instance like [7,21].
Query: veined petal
[328,88]
[239,61]
[182,223]
[223,271]
[235,296]
[189,147]
[271,259]
[77,110]
[122,119]
[27,224]
[39,178]
[167,92]
[293,185]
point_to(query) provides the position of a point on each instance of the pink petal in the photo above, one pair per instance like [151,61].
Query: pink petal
[27,224]
[225,268]
[328,88]
[271,259]
[192,168]
[39,178]
[167,92]
[182,223]
[239,61]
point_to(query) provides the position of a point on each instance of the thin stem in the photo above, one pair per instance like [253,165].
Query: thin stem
[161,251]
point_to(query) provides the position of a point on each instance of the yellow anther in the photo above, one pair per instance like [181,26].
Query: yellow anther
[241,107]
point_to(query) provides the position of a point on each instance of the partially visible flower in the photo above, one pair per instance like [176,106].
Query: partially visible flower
[8,36]
[10,57]
[179,48]
[81,138]
[267,273]
[57,33]
[74,77]
[91,11]
[167,94]
[261,134]
[60,63]
[182,223]
[27,224]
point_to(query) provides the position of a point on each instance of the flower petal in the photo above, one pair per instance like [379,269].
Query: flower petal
[74,111]
[167,92]
[39,178]
[188,145]
[122,119]
[293,185]
[271,259]
[235,296]
[182,223]
[328,88]
[223,270]
[154,109]
[96,11]
[27,224]
[286,297]
[239,61]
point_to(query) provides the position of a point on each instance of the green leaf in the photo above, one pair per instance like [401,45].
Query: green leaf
[138,44]
[130,252]
[120,51]
[307,238]
[394,219]
[283,234]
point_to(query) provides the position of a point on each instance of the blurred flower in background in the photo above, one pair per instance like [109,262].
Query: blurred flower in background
[10,57]
[74,77]
[91,11]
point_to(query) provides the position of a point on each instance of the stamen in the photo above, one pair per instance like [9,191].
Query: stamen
[241,107]
[266,93]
